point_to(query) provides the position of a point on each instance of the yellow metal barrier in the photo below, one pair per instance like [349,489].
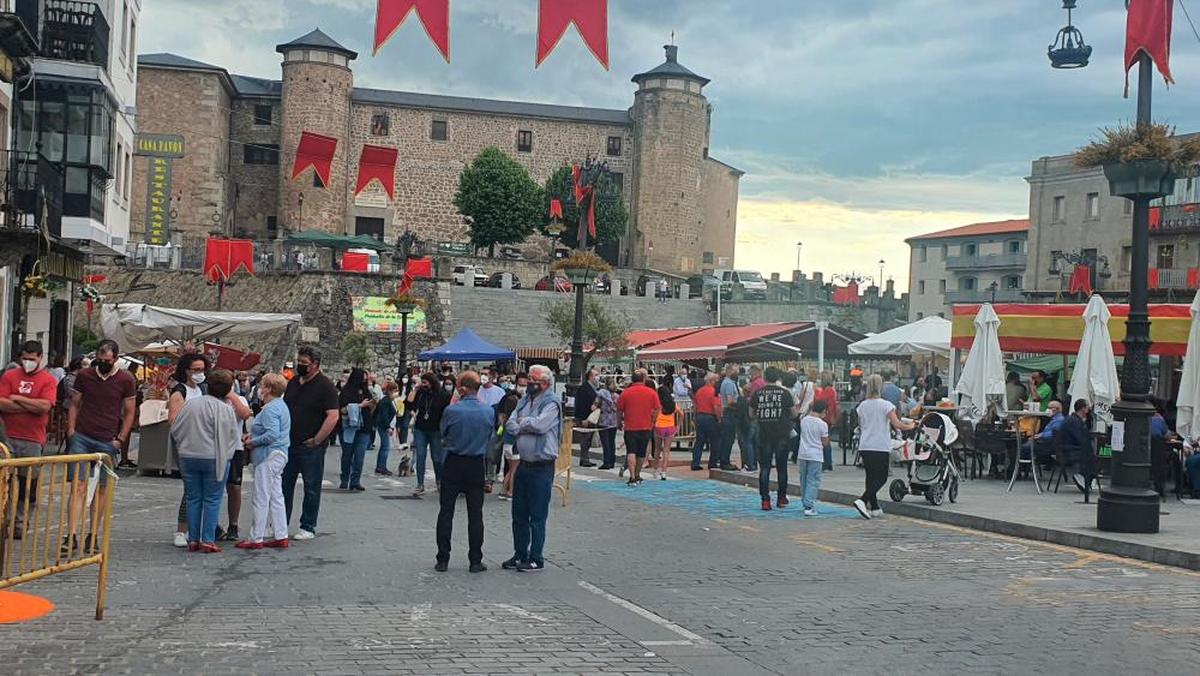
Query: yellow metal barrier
[55,517]
[562,465]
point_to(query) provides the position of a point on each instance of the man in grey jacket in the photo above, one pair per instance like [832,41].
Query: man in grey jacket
[538,426]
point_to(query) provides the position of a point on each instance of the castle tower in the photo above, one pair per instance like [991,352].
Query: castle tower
[671,118]
[317,83]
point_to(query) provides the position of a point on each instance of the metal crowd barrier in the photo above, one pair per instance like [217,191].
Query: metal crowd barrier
[40,535]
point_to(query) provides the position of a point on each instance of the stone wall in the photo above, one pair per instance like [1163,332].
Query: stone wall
[720,190]
[195,105]
[256,186]
[427,170]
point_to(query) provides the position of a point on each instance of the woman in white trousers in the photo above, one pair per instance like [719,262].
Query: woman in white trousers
[268,443]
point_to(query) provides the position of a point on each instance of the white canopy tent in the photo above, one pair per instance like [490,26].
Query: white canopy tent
[1095,377]
[135,325]
[928,335]
[983,374]
[1188,417]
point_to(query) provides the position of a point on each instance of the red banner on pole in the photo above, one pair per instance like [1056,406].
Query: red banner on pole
[433,14]
[377,163]
[414,269]
[1081,280]
[590,18]
[315,151]
[223,257]
[1148,29]
[556,210]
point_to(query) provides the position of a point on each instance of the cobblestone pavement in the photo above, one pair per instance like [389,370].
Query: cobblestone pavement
[673,577]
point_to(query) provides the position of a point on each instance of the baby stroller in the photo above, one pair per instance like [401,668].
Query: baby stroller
[931,469]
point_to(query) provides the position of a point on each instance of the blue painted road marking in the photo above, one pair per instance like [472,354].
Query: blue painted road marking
[714,499]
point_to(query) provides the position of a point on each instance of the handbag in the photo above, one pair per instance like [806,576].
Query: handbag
[593,418]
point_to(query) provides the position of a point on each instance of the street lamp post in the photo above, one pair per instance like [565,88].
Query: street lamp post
[799,245]
[1128,505]
[880,284]
[402,365]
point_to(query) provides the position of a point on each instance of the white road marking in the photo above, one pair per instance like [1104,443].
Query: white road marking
[692,638]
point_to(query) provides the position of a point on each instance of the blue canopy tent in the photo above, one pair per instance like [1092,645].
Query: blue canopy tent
[468,346]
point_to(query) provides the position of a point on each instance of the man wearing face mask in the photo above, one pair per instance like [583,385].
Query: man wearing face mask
[312,404]
[99,421]
[537,422]
[467,430]
[427,400]
[27,394]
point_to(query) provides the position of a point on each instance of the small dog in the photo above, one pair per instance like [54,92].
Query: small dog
[403,469]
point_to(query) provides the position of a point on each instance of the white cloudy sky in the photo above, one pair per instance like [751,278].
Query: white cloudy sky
[859,122]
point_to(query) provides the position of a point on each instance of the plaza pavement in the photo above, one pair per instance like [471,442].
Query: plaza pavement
[684,576]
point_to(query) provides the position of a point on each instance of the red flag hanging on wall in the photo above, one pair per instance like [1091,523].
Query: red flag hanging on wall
[433,14]
[356,262]
[1081,280]
[1152,278]
[846,295]
[1148,29]
[315,151]
[223,257]
[590,18]
[583,192]
[377,163]
[556,209]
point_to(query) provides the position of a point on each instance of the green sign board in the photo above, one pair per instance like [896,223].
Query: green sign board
[455,249]
[373,315]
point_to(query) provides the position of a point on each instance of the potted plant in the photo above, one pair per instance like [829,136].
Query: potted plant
[581,267]
[405,302]
[1140,162]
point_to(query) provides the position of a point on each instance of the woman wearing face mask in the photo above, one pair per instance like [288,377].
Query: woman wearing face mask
[358,409]
[427,400]
[191,371]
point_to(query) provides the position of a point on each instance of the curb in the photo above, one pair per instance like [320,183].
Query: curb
[1096,543]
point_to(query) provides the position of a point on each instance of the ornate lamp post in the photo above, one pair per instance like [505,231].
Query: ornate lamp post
[1128,505]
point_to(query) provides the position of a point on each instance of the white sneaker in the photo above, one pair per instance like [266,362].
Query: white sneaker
[810,512]
[876,513]
[180,539]
[862,509]
[1078,478]
[304,535]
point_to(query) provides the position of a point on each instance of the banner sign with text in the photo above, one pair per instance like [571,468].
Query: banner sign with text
[373,315]
[159,145]
[158,201]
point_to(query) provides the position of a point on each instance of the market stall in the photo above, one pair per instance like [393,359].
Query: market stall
[159,331]
[467,346]
[756,343]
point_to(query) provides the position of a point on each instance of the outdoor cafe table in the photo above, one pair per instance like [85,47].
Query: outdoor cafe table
[1032,461]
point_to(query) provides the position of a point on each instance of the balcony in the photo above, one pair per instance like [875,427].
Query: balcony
[989,262]
[984,296]
[32,193]
[1174,279]
[68,30]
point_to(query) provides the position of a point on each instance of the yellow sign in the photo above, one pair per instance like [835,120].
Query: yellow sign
[373,315]
[158,201]
[159,145]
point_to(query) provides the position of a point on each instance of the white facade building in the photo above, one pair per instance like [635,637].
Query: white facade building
[977,263]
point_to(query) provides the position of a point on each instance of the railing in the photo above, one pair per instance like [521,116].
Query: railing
[985,296]
[32,193]
[187,253]
[69,30]
[1174,278]
[1010,260]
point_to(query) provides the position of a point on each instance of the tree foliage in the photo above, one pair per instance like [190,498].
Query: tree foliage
[356,348]
[612,217]
[602,329]
[505,204]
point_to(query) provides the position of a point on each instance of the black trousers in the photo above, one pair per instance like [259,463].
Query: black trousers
[462,474]
[877,464]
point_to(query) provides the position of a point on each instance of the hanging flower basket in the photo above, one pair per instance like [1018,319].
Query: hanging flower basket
[405,303]
[582,267]
[1140,179]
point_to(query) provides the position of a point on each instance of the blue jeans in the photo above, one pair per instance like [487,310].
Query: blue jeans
[828,464]
[708,436]
[809,476]
[353,456]
[747,433]
[432,441]
[385,447]
[308,463]
[81,444]
[729,426]
[532,487]
[203,490]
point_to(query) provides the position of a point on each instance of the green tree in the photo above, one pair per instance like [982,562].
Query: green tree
[612,217]
[602,329]
[356,348]
[504,204]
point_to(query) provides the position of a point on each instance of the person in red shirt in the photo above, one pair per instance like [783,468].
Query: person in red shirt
[637,409]
[707,406]
[828,394]
[27,395]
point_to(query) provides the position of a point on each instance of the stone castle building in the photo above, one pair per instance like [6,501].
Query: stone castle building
[240,136]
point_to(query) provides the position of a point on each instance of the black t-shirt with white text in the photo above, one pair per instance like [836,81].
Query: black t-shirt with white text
[772,408]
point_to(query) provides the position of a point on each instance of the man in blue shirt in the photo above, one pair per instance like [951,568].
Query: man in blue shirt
[1076,445]
[891,391]
[730,392]
[1041,446]
[467,429]
[537,423]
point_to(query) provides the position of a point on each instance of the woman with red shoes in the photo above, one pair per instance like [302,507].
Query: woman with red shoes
[268,445]
[206,434]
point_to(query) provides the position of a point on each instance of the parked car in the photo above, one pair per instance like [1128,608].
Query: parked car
[547,283]
[512,253]
[702,286]
[462,273]
[753,284]
[495,281]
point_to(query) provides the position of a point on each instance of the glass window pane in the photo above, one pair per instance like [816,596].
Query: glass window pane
[77,133]
[53,124]
[77,180]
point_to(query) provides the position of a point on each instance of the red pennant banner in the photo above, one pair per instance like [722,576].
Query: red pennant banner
[1152,278]
[315,151]
[582,193]
[1193,278]
[590,18]
[847,295]
[1081,280]
[433,14]
[414,269]
[1148,29]
[223,257]
[377,163]
[556,209]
